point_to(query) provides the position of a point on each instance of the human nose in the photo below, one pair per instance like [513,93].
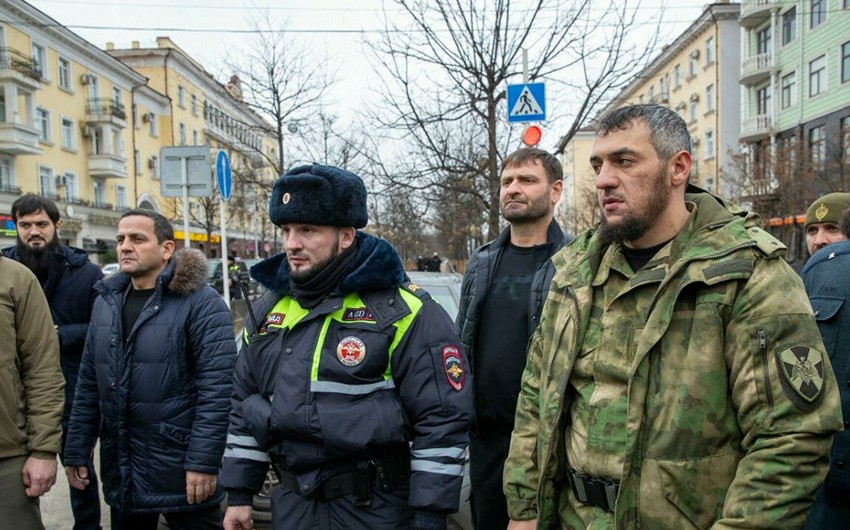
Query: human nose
[291,242]
[606,178]
[821,238]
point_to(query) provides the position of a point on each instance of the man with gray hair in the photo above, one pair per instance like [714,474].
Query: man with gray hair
[677,378]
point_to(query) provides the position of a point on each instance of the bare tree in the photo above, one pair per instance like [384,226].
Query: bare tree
[446,63]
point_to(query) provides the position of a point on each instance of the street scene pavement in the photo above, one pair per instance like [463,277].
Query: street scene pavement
[56,505]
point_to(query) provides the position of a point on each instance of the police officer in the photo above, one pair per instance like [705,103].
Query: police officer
[352,382]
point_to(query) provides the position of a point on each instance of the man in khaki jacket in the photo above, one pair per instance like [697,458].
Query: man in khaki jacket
[31,397]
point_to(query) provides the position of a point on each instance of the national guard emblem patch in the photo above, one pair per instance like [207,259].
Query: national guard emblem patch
[453,366]
[802,373]
[351,351]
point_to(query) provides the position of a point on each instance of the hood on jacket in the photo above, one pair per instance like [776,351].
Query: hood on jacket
[185,273]
[377,266]
[75,257]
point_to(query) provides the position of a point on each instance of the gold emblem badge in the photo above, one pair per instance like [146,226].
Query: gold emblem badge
[821,212]
[351,351]
[285,198]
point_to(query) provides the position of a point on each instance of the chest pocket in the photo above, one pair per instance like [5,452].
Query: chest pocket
[355,354]
[827,310]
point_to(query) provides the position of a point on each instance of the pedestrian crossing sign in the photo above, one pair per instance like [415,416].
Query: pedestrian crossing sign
[526,102]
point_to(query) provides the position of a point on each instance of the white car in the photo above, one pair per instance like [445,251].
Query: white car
[110,268]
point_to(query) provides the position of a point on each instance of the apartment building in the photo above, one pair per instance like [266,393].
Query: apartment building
[696,75]
[795,78]
[203,111]
[577,210]
[65,126]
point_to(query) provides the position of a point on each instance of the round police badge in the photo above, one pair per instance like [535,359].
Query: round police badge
[350,351]
[285,198]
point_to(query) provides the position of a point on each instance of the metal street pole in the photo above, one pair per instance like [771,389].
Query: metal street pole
[185,170]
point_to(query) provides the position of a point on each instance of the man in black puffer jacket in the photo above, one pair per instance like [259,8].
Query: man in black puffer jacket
[154,384]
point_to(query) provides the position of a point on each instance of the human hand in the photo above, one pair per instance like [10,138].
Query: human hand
[38,474]
[523,525]
[78,477]
[199,486]
[239,518]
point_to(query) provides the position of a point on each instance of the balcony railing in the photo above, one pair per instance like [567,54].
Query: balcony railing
[8,188]
[102,205]
[106,106]
[756,126]
[756,67]
[754,12]
[12,59]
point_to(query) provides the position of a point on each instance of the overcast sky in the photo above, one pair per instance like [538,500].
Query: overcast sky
[206,29]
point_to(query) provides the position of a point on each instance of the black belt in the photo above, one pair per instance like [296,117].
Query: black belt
[331,488]
[593,491]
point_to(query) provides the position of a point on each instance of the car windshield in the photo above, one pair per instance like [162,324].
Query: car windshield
[443,295]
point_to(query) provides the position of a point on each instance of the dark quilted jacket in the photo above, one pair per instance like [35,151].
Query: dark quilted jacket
[160,402]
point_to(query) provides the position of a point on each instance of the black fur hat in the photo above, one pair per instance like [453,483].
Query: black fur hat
[319,195]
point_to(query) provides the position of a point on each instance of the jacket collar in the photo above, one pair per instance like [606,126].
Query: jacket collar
[74,257]
[554,235]
[185,273]
[377,266]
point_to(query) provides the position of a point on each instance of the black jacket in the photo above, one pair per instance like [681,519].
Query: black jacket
[479,276]
[375,366]
[69,290]
[160,401]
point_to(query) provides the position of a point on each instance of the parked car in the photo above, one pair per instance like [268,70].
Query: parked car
[109,269]
[214,276]
[443,287]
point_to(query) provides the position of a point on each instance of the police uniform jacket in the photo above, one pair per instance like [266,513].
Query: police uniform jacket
[158,399]
[827,280]
[375,365]
[731,400]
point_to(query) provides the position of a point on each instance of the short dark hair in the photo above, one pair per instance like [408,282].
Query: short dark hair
[161,226]
[551,165]
[32,203]
[668,131]
[844,223]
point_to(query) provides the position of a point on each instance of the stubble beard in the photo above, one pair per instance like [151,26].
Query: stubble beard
[534,211]
[636,223]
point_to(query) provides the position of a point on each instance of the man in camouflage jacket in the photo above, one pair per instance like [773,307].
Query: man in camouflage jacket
[696,394]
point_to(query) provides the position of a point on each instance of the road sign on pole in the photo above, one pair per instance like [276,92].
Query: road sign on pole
[223,175]
[526,102]
[185,173]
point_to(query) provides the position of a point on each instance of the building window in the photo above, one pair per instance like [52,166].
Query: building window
[789,90]
[709,144]
[181,96]
[789,25]
[98,189]
[194,105]
[120,197]
[116,96]
[692,64]
[818,12]
[709,51]
[64,73]
[763,101]
[2,106]
[763,41]
[693,112]
[137,162]
[135,115]
[154,165]
[68,133]
[817,147]
[39,57]
[195,137]
[182,134]
[677,76]
[845,62]
[652,94]
[46,182]
[42,122]
[153,126]
[70,182]
[6,177]
[709,98]
[817,76]
[845,139]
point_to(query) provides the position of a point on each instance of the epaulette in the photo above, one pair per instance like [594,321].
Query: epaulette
[766,243]
[416,291]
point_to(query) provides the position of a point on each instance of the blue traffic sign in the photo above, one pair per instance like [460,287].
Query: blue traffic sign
[223,175]
[526,102]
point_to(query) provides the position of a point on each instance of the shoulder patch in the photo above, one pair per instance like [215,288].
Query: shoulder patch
[801,368]
[415,290]
[765,242]
[453,366]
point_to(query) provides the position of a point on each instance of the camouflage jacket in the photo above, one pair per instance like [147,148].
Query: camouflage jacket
[722,430]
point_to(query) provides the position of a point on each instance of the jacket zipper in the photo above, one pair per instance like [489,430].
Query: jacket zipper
[763,349]
[562,386]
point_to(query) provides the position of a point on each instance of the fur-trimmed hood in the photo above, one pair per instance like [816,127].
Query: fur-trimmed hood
[377,265]
[185,273]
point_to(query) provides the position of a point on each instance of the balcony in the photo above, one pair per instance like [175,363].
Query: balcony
[17,139]
[107,166]
[8,188]
[102,205]
[104,110]
[20,68]
[756,12]
[756,127]
[757,68]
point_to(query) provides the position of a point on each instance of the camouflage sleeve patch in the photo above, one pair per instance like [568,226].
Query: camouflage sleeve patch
[802,371]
